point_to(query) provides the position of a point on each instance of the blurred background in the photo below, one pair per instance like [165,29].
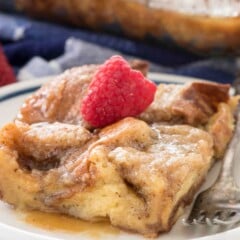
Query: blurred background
[40,38]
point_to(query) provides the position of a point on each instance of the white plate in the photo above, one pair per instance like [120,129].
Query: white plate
[12,227]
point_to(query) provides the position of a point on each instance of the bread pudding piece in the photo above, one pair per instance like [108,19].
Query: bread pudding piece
[138,176]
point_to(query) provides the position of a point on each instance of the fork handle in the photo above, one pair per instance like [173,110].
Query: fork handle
[231,153]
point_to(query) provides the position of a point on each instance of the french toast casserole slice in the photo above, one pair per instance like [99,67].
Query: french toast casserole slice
[139,173]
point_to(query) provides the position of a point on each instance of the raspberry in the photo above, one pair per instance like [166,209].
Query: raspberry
[116,91]
[6,72]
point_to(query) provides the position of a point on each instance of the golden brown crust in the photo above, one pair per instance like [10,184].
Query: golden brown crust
[192,103]
[221,127]
[197,102]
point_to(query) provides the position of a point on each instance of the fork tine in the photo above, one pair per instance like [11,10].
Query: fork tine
[189,221]
[201,219]
[196,215]
[193,221]
[209,222]
[185,222]
[228,220]
[220,216]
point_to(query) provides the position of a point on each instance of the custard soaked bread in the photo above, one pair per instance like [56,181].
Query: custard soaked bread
[138,172]
[136,175]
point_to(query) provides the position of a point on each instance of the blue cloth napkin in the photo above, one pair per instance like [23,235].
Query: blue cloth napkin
[39,48]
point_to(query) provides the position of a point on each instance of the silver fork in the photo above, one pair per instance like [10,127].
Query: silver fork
[220,204]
